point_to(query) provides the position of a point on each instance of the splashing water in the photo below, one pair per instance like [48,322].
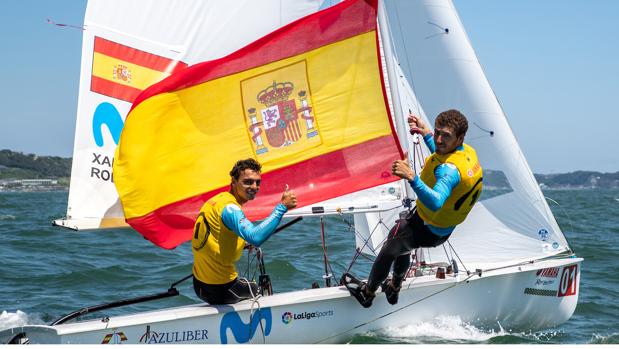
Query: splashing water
[600,339]
[9,320]
[443,328]
[451,329]
[7,217]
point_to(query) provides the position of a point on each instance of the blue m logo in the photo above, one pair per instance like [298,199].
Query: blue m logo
[242,332]
[106,114]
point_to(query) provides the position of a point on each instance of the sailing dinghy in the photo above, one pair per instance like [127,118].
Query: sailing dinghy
[320,97]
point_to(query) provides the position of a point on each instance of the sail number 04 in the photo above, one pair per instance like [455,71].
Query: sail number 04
[567,286]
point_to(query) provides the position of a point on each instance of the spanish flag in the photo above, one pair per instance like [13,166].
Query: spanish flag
[122,72]
[307,101]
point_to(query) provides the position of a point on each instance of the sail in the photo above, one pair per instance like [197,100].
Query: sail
[129,45]
[307,101]
[510,224]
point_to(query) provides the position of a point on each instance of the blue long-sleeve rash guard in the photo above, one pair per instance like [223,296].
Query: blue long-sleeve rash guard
[235,220]
[447,178]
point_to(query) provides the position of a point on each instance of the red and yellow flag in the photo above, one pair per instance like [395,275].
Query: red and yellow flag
[122,72]
[307,101]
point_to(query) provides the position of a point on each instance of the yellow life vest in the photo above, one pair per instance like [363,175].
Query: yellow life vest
[463,196]
[215,247]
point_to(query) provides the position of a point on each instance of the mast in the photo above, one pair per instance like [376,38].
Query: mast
[387,53]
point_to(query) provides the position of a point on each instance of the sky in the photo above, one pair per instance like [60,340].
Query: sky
[553,64]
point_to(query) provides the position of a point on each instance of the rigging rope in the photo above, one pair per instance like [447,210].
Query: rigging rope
[258,259]
[490,132]
[366,241]
[463,266]
[359,250]
[444,30]
[255,300]
[250,259]
[328,269]
[569,219]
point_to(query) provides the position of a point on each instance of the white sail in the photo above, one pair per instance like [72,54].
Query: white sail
[187,31]
[437,57]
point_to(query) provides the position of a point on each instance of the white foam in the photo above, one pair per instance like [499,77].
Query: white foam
[451,329]
[7,217]
[443,328]
[601,339]
[10,320]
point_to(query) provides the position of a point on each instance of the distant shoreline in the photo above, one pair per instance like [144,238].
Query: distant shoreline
[65,188]
[29,168]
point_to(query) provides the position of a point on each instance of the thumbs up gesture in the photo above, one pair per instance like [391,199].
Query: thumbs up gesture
[402,169]
[289,199]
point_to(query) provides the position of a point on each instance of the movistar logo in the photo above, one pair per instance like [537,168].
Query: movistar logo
[241,331]
[107,115]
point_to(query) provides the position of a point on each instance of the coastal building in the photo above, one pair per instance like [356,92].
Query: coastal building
[35,182]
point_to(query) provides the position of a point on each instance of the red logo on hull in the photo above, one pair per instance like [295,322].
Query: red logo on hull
[548,272]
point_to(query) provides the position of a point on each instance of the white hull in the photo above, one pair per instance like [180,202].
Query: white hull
[515,297]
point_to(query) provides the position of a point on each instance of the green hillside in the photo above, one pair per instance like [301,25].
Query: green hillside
[15,165]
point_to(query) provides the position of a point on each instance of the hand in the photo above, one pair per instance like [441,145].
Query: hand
[417,125]
[402,169]
[289,199]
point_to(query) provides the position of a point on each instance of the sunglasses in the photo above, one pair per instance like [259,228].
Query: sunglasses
[251,181]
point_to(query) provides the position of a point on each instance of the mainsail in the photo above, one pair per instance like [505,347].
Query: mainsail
[509,225]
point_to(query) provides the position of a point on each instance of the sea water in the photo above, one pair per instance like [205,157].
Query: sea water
[47,272]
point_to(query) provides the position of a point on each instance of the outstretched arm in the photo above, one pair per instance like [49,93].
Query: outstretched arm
[234,218]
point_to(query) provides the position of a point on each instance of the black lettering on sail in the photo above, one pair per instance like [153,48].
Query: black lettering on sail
[106,161]
[94,172]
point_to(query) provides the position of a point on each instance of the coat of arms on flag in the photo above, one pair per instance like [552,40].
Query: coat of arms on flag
[279,114]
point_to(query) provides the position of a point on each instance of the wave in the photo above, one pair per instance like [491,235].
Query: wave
[451,329]
[610,339]
[7,217]
[10,320]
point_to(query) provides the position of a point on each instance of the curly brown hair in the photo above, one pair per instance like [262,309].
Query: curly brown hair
[243,165]
[454,119]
